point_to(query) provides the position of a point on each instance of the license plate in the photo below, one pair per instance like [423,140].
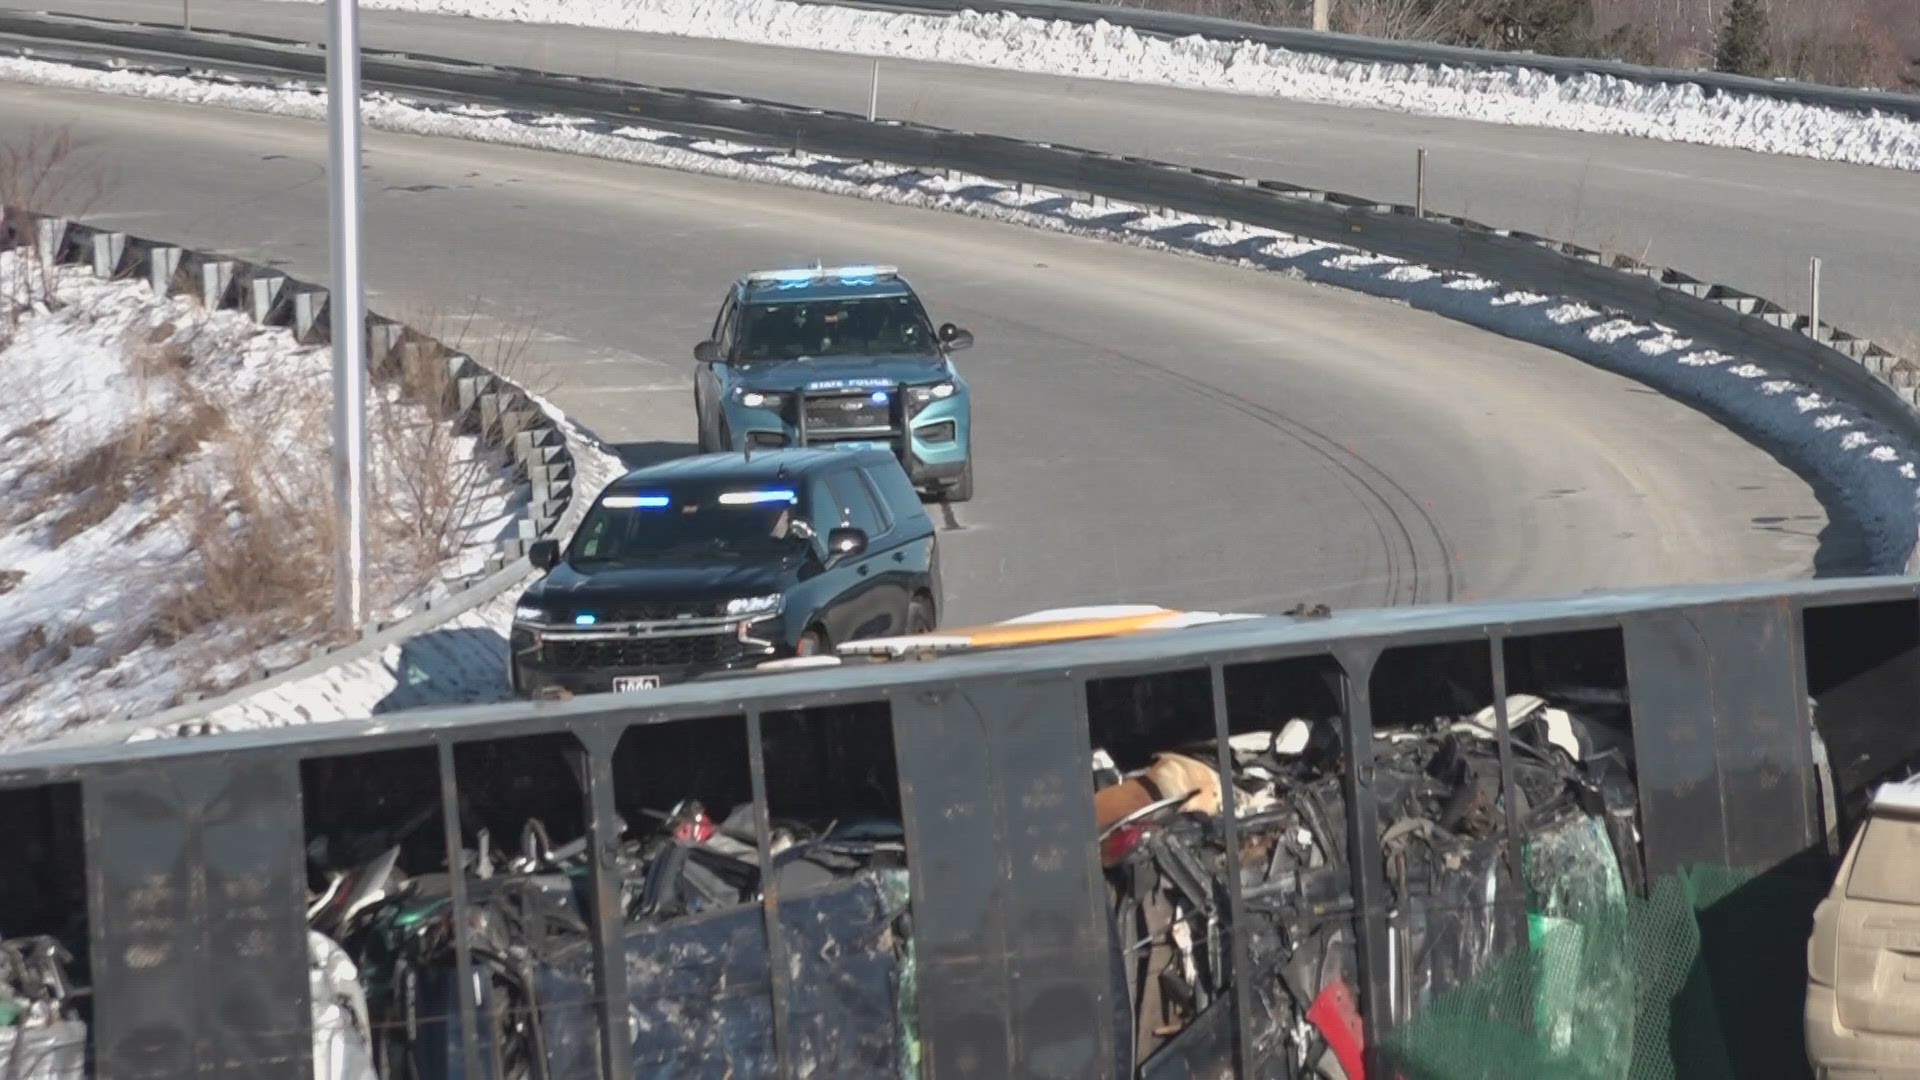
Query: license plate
[851,445]
[635,682]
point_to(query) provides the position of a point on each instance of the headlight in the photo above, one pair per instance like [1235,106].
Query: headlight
[528,613]
[760,399]
[923,394]
[756,605]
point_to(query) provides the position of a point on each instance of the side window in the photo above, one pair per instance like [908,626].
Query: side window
[723,326]
[898,498]
[881,509]
[855,503]
[824,511]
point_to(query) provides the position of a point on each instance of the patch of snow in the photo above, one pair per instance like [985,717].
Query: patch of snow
[1571,312]
[1601,104]
[1521,299]
[1771,413]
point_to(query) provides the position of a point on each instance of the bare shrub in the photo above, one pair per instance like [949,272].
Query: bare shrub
[47,173]
[1411,20]
[428,485]
[260,525]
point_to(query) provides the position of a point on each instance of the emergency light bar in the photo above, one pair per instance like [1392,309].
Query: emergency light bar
[818,273]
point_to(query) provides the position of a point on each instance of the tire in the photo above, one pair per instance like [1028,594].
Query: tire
[813,643]
[920,615]
[962,489]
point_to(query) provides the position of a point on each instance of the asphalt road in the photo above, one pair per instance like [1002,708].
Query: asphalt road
[1153,428]
[1749,220]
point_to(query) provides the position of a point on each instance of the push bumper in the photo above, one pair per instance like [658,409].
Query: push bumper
[931,444]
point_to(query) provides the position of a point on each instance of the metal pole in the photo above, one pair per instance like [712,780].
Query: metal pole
[1320,15]
[1420,183]
[873,94]
[1813,324]
[186,14]
[347,321]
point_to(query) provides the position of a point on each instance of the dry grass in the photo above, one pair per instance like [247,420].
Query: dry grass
[47,173]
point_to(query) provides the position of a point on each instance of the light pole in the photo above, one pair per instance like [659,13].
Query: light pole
[347,320]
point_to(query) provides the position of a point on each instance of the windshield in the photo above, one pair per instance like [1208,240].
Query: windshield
[871,326]
[725,521]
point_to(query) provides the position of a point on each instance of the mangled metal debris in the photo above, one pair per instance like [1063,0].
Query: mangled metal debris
[43,1031]
[1455,903]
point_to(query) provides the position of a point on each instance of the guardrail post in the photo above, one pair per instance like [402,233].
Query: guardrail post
[1320,19]
[1813,285]
[1420,183]
[873,94]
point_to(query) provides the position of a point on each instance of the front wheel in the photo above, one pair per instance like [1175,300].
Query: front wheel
[920,616]
[962,489]
[812,643]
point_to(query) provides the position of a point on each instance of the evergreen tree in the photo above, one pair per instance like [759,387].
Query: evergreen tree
[1743,49]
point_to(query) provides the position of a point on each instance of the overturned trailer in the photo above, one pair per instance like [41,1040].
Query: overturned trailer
[1175,846]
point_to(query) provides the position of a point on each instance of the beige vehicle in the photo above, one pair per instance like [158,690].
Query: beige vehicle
[1863,960]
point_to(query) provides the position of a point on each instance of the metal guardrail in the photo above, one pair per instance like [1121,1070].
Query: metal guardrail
[481,401]
[1370,50]
[176,865]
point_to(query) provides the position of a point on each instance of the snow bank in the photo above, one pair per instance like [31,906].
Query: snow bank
[151,450]
[1591,103]
[1832,442]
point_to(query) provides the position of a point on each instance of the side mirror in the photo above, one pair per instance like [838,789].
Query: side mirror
[953,339]
[845,544]
[544,554]
[707,352]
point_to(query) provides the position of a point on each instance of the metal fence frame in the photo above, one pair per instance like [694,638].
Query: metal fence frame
[194,846]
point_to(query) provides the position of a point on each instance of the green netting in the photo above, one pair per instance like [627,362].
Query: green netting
[1703,980]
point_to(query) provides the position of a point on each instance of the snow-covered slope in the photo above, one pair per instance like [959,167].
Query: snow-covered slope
[1589,103]
[166,514]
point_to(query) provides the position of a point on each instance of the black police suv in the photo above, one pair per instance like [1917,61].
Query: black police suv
[723,561]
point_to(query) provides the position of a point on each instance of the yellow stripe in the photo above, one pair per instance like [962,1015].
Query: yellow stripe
[987,637]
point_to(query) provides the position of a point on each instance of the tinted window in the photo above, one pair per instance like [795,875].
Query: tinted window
[698,521]
[855,502]
[898,497]
[724,328]
[869,326]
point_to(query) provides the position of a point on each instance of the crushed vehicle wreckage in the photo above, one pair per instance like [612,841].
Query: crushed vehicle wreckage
[700,976]
[42,1026]
[1443,836]
[700,968]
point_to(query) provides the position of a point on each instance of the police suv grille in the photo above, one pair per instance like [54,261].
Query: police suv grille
[849,411]
[625,611]
[642,653]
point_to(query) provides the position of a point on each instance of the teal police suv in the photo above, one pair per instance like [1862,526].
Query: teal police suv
[837,357]
[724,561]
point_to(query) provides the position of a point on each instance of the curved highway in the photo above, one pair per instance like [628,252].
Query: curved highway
[1750,220]
[1152,427]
